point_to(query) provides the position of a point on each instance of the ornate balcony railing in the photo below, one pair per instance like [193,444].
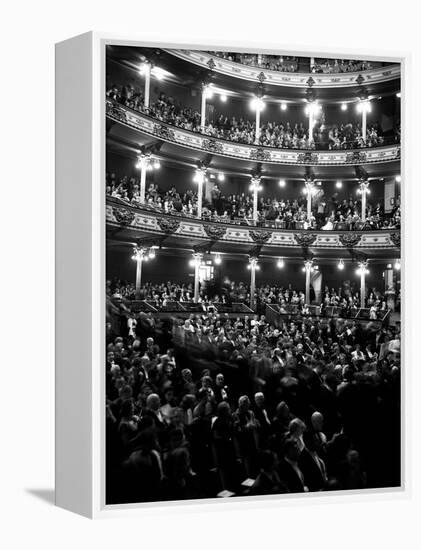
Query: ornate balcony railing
[135,218]
[277,78]
[201,142]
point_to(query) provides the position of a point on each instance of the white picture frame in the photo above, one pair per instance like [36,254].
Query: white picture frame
[80,279]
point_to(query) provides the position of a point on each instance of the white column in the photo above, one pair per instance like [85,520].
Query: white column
[200,175]
[253,267]
[257,135]
[138,257]
[310,122]
[147,73]
[364,121]
[363,271]
[143,165]
[203,108]
[364,191]
[309,188]
[308,264]
[255,186]
[363,205]
[259,59]
[197,258]
[389,287]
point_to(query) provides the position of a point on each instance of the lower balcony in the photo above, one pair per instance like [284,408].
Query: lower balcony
[131,223]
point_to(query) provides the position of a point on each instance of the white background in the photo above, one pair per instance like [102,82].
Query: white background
[29,30]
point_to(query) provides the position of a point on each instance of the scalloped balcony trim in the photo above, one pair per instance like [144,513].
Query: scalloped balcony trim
[130,217]
[200,142]
[297,80]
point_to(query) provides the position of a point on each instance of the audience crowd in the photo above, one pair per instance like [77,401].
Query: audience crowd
[212,406]
[281,63]
[328,66]
[279,134]
[327,214]
[292,65]
[345,299]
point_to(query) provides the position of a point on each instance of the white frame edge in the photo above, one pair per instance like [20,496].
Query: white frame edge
[80,306]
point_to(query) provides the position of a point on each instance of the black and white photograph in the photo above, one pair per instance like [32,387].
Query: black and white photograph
[253,274]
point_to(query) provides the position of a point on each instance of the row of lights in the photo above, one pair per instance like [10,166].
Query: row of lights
[209,91]
[396,265]
[143,254]
[282,183]
[151,163]
[314,108]
[220,176]
[157,72]
[146,254]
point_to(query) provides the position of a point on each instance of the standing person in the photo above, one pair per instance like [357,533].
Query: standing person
[289,470]
[246,436]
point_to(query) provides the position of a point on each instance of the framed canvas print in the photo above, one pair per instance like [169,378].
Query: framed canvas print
[229,223]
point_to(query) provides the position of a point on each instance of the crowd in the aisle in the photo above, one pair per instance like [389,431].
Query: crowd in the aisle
[209,405]
[345,299]
[280,134]
[327,214]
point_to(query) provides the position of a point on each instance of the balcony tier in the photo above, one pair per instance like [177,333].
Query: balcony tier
[297,80]
[200,142]
[133,222]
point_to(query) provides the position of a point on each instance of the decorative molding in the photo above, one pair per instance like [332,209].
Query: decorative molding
[168,225]
[350,239]
[145,219]
[214,232]
[280,78]
[212,145]
[163,131]
[356,157]
[308,158]
[124,216]
[261,77]
[260,154]
[305,239]
[211,64]
[260,237]
[396,239]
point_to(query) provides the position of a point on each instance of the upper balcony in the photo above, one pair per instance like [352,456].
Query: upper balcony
[258,74]
[201,142]
[131,223]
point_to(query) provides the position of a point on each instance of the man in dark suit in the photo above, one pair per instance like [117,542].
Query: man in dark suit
[289,470]
[312,466]
[268,481]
